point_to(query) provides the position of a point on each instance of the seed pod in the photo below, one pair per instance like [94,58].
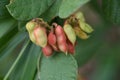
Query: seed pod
[32,37]
[70,33]
[40,35]
[59,30]
[80,16]
[63,47]
[80,33]
[85,27]
[52,40]
[30,26]
[61,39]
[71,47]
[47,50]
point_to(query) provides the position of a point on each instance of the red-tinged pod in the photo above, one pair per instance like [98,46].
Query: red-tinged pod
[59,30]
[63,47]
[55,47]
[51,38]
[40,35]
[47,50]
[61,39]
[71,47]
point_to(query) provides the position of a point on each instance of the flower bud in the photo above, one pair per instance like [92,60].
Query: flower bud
[85,27]
[47,50]
[40,36]
[80,33]
[70,33]
[30,26]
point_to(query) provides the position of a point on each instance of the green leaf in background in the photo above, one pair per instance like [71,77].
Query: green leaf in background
[111,10]
[6,25]
[3,10]
[58,67]
[28,9]
[69,6]
[26,67]
[85,50]
[52,11]
[8,28]
[8,54]
[107,63]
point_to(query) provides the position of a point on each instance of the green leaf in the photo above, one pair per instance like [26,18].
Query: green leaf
[7,37]
[22,25]
[27,64]
[58,67]
[3,11]
[8,54]
[6,25]
[111,10]
[8,28]
[69,6]
[107,63]
[85,51]
[17,59]
[28,9]
[52,11]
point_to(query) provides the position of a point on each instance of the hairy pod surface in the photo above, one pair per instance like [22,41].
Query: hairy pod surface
[61,39]
[41,36]
[81,34]
[47,50]
[70,33]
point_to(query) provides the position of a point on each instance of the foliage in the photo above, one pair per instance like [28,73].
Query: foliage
[20,59]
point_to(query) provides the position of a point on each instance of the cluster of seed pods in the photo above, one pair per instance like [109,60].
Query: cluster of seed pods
[57,38]
[81,28]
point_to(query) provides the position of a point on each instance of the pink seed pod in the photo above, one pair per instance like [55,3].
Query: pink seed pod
[40,35]
[71,47]
[63,47]
[59,30]
[55,47]
[47,50]
[61,39]
[52,40]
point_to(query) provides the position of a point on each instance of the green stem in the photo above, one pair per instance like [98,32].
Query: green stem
[16,61]
[38,66]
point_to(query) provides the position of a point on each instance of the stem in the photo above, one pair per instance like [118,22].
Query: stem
[16,61]
[38,66]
